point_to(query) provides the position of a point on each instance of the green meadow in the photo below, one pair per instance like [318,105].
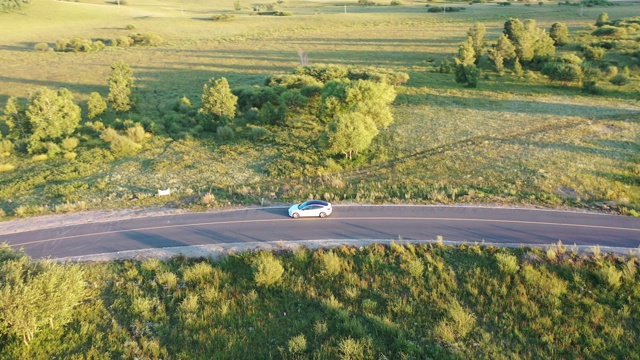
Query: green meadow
[513,139]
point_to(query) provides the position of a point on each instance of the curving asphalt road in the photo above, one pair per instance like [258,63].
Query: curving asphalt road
[454,223]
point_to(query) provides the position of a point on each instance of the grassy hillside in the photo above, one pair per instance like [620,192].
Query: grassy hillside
[397,302]
[511,140]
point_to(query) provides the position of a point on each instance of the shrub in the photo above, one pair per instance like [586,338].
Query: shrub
[620,80]
[96,105]
[70,143]
[505,3]
[79,44]
[6,147]
[467,74]
[183,105]
[147,39]
[351,349]
[593,53]
[6,167]
[603,19]
[123,41]
[42,47]
[507,263]
[297,344]
[36,295]
[258,133]
[223,17]
[331,264]
[267,270]
[199,273]
[208,199]
[275,13]
[414,266]
[224,133]
[610,31]
[610,276]
[439,9]
[70,156]
[292,81]
[564,72]
[118,144]
[136,133]
[324,73]
[130,27]
[255,97]
[396,3]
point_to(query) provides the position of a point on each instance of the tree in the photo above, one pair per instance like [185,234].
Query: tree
[14,120]
[515,30]
[466,52]
[559,33]
[466,71]
[529,41]
[364,96]
[603,19]
[543,45]
[51,115]
[217,100]
[34,295]
[477,33]
[349,133]
[96,105]
[501,51]
[120,84]
[372,99]
[467,74]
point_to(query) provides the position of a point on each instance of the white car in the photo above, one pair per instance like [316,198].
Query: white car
[316,208]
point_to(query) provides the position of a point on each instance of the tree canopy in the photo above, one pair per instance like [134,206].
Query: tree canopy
[51,115]
[218,100]
[120,84]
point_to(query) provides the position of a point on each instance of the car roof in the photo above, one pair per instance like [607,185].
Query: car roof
[316,202]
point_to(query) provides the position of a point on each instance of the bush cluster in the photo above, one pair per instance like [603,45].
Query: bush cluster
[439,9]
[223,17]
[79,44]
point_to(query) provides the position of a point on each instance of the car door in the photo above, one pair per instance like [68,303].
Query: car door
[312,210]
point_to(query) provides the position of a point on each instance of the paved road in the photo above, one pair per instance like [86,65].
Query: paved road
[499,225]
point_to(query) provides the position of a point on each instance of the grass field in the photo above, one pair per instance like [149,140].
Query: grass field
[374,302]
[508,141]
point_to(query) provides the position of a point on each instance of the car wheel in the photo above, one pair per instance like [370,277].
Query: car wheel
[295,215]
[322,214]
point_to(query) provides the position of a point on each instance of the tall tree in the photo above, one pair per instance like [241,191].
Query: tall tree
[51,115]
[120,84]
[501,51]
[477,33]
[466,71]
[559,33]
[529,40]
[520,38]
[364,96]
[217,100]
[349,133]
[14,120]
[96,105]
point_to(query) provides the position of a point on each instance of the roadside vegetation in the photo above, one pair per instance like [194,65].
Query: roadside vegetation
[400,301]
